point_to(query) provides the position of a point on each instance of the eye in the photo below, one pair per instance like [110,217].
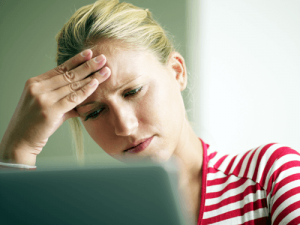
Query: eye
[133,92]
[93,115]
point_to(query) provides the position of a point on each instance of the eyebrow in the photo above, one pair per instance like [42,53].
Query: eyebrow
[93,102]
[88,103]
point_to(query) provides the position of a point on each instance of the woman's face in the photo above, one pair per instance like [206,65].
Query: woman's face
[139,104]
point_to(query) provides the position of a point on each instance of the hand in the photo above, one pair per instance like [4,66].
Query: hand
[46,102]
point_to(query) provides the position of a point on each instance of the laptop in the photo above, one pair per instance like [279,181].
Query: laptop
[142,193]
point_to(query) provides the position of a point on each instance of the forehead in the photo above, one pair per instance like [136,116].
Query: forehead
[125,62]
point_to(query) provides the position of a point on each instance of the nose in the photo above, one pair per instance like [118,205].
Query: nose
[125,121]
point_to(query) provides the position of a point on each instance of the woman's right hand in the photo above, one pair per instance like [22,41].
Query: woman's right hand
[46,102]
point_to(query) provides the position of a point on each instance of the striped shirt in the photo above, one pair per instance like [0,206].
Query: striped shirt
[261,186]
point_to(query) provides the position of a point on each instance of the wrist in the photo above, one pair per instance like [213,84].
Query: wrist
[17,155]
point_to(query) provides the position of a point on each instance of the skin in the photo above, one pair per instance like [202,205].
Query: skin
[46,102]
[128,115]
[156,110]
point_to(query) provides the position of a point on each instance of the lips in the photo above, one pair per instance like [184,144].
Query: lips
[140,146]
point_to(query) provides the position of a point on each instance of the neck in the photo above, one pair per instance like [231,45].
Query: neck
[189,155]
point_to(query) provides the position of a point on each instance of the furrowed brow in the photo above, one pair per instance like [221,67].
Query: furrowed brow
[115,90]
[121,86]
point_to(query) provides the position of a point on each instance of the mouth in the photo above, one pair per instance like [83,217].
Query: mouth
[140,147]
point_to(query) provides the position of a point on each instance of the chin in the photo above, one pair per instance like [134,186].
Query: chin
[157,157]
[161,156]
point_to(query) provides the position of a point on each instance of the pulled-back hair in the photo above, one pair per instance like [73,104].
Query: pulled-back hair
[109,20]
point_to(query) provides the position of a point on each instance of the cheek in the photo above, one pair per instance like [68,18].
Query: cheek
[168,106]
[148,109]
[154,108]
[145,109]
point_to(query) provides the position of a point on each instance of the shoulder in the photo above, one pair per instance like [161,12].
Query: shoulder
[257,163]
[269,173]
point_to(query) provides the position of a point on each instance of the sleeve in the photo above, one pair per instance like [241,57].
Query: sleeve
[11,166]
[281,180]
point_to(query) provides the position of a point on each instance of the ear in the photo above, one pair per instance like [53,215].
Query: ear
[177,67]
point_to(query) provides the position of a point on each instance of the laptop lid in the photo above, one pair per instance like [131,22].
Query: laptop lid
[140,193]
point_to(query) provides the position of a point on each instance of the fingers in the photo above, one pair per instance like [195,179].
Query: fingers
[67,66]
[72,100]
[74,75]
[73,87]
[75,61]
[83,70]
[70,84]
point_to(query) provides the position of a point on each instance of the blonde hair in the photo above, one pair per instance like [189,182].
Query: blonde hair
[109,19]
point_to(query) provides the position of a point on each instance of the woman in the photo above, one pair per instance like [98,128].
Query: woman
[121,76]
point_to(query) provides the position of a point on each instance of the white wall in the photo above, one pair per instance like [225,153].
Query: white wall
[246,58]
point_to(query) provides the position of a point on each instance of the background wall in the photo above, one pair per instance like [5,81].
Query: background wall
[28,47]
[247,68]
[242,57]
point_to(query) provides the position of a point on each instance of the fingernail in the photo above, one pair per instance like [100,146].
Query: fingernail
[93,82]
[85,53]
[103,71]
[99,58]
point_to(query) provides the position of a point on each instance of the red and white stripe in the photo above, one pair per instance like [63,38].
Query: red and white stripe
[261,186]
